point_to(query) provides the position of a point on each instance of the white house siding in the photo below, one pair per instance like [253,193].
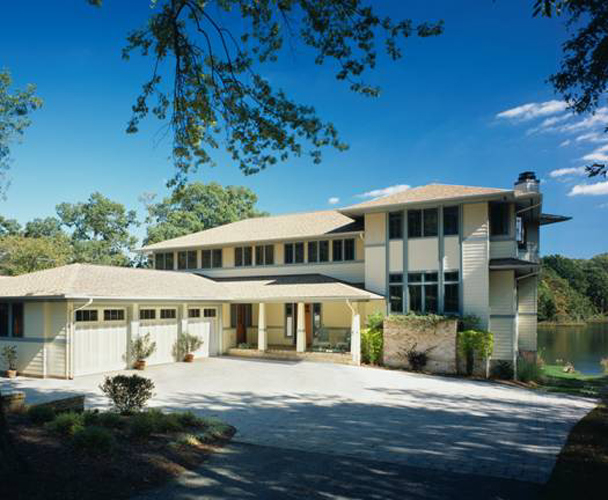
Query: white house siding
[475,271]
[502,328]
[502,313]
[503,249]
[451,251]
[56,326]
[423,254]
[375,253]
[527,308]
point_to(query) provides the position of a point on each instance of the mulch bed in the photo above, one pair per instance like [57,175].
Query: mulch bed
[58,471]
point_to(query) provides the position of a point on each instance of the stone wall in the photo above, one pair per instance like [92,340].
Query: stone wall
[402,332]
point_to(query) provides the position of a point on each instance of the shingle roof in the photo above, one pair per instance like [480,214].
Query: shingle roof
[308,287]
[109,282]
[421,194]
[277,227]
[86,280]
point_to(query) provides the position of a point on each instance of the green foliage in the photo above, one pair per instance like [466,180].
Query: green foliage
[469,322]
[15,111]
[9,227]
[19,254]
[128,394]
[474,343]
[154,421]
[375,321]
[9,355]
[502,370]
[417,359]
[94,440]
[528,370]
[372,344]
[216,94]
[423,320]
[108,419]
[196,207]
[187,419]
[142,347]
[41,414]
[186,344]
[66,424]
[141,426]
[49,227]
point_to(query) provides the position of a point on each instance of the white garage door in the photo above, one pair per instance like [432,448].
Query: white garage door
[164,333]
[99,347]
[205,329]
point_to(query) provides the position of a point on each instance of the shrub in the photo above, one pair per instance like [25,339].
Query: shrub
[41,414]
[94,440]
[128,393]
[469,322]
[528,370]
[473,343]
[9,353]
[186,439]
[66,424]
[146,423]
[372,344]
[187,344]
[189,420]
[110,419]
[604,363]
[417,359]
[142,347]
[502,370]
[375,321]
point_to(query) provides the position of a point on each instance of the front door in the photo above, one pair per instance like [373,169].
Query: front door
[241,323]
[308,323]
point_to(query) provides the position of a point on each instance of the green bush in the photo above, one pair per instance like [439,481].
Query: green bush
[129,394]
[154,421]
[372,344]
[469,322]
[529,370]
[94,440]
[375,321]
[142,347]
[41,414]
[66,424]
[415,358]
[472,343]
[502,370]
[141,426]
[110,419]
[189,420]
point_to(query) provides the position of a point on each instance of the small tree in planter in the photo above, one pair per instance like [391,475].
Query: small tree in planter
[472,343]
[186,345]
[9,353]
[141,349]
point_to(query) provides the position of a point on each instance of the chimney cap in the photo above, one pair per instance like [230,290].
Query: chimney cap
[527,176]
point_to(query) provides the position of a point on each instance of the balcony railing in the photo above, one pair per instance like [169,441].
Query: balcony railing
[529,252]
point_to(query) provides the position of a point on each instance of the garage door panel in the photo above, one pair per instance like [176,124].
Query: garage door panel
[99,348]
[202,329]
[164,333]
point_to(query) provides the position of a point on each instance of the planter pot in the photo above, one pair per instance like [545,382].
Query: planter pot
[188,358]
[140,364]
[10,373]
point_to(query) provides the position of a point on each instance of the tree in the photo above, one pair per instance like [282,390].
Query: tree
[100,230]
[49,226]
[15,110]
[9,227]
[583,76]
[199,206]
[214,49]
[19,254]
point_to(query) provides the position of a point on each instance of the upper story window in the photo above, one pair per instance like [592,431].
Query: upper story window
[499,219]
[243,256]
[163,261]
[451,221]
[186,260]
[264,255]
[211,258]
[395,225]
[423,292]
[294,253]
[318,251]
[422,223]
[337,250]
[343,250]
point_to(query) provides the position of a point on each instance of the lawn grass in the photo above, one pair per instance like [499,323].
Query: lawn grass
[555,380]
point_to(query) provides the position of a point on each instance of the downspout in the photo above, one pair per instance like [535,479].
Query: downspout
[70,340]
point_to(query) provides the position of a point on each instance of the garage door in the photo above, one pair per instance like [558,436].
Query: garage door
[99,347]
[164,333]
[205,329]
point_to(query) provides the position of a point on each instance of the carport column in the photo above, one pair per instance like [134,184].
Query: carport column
[355,337]
[301,329]
[262,338]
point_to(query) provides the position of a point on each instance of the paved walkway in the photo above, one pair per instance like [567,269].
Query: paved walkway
[434,423]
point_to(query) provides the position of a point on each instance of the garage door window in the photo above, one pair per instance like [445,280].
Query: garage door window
[209,313]
[194,313]
[147,314]
[168,314]
[113,314]
[86,316]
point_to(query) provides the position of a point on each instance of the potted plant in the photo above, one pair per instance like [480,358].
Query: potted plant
[141,349]
[9,353]
[187,344]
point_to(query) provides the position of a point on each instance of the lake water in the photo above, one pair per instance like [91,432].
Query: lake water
[583,346]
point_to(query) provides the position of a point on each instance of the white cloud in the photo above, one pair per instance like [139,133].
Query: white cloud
[599,119]
[592,137]
[333,200]
[597,189]
[377,193]
[565,143]
[603,205]
[561,172]
[598,154]
[532,110]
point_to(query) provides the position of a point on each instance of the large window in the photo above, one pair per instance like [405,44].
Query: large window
[211,258]
[313,251]
[395,225]
[163,261]
[343,250]
[324,251]
[243,256]
[349,249]
[499,219]
[294,253]
[424,292]
[451,295]
[422,222]
[264,255]
[451,221]
[395,292]
[186,260]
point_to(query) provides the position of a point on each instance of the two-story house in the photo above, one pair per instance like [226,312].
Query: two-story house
[294,283]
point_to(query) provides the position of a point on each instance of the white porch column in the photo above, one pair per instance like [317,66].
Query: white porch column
[301,329]
[355,337]
[133,331]
[262,337]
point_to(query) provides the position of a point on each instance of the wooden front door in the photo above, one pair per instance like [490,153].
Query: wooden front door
[308,323]
[241,323]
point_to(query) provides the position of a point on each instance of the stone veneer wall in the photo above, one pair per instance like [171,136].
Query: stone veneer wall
[402,332]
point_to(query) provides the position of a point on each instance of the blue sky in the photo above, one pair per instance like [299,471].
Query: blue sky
[469,107]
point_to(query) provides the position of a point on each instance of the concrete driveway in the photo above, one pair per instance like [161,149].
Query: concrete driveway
[365,413]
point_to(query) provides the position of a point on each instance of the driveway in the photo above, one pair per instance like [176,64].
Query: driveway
[392,417]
